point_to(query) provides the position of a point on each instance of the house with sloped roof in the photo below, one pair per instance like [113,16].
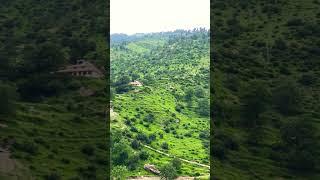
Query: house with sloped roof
[82,68]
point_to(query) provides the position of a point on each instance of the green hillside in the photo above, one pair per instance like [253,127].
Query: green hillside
[60,136]
[170,111]
[50,128]
[265,89]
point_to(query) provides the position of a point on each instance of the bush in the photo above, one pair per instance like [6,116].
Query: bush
[295,22]
[88,150]
[8,96]
[77,118]
[27,146]
[135,144]
[218,151]
[88,172]
[308,79]
[288,98]
[168,172]
[133,162]
[74,85]
[142,137]
[53,176]
[144,155]
[152,137]
[65,161]
[165,146]
[176,163]
[133,129]
[149,118]
[119,172]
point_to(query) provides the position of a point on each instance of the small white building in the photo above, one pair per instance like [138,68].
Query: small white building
[135,83]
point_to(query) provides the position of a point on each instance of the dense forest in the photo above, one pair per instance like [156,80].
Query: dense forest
[48,126]
[265,89]
[165,120]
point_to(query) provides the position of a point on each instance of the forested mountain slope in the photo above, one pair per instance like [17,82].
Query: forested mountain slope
[170,111]
[51,129]
[265,89]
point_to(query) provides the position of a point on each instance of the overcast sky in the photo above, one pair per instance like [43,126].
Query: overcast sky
[144,16]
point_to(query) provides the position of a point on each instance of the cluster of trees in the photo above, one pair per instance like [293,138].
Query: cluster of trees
[263,86]
[36,39]
[170,170]
[33,45]
[126,156]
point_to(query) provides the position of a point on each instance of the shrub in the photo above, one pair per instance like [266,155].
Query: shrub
[295,22]
[74,85]
[142,137]
[53,176]
[88,172]
[165,146]
[152,137]
[27,146]
[127,122]
[144,155]
[7,97]
[119,172]
[133,129]
[176,163]
[149,118]
[168,172]
[288,98]
[189,134]
[218,150]
[65,161]
[135,144]
[133,162]
[308,79]
[88,149]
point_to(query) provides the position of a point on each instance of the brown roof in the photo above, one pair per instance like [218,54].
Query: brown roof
[151,168]
[85,66]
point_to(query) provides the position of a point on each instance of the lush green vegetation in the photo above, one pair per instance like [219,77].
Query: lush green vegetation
[170,112]
[66,134]
[265,89]
[53,131]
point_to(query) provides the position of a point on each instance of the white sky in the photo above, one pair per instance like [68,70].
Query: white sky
[144,16]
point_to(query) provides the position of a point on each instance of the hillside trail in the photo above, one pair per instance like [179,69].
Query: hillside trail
[11,169]
[169,155]
[7,165]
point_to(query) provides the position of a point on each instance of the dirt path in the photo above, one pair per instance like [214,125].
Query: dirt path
[6,163]
[10,169]
[169,155]
[184,160]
